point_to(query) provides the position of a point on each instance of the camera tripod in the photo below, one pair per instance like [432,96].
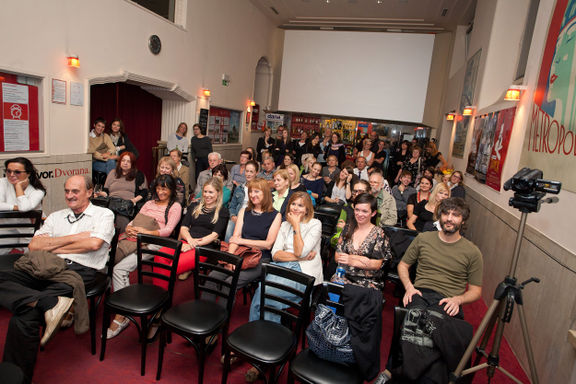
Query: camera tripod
[508,293]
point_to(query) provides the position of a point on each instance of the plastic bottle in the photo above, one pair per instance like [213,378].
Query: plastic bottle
[338,277]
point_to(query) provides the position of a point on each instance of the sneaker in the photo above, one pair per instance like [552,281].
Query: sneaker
[54,317]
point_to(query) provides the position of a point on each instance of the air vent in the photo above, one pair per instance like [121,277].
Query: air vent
[274,10]
[444,12]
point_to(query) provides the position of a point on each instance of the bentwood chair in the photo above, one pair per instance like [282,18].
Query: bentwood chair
[199,320]
[267,344]
[99,289]
[16,230]
[308,368]
[144,299]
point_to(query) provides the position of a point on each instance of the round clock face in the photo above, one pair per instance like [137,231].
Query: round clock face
[154,44]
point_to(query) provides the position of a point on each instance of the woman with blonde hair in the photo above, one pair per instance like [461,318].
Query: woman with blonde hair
[281,190]
[167,166]
[434,157]
[205,221]
[294,174]
[422,220]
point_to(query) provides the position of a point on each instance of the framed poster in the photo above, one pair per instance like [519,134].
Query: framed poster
[550,142]
[19,128]
[59,91]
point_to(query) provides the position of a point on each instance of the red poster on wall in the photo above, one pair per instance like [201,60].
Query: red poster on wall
[18,115]
[500,147]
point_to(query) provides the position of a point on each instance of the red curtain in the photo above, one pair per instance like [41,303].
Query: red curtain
[140,111]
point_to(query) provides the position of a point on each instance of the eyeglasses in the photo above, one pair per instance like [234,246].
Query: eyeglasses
[12,172]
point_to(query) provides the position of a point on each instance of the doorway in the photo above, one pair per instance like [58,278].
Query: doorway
[140,111]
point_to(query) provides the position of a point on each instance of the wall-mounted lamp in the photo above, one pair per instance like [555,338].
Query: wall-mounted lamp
[73,61]
[206,92]
[252,103]
[450,116]
[514,92]
[468,110]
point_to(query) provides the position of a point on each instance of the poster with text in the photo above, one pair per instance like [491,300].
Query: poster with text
[476,135]
[485,147]
[500,147]
[550,143]
[466,99]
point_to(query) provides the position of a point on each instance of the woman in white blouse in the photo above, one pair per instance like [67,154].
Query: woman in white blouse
[20,190]
[297,247]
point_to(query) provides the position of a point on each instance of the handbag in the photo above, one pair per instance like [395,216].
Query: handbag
[121,206]
[250,256]
[329,336]
[126,245]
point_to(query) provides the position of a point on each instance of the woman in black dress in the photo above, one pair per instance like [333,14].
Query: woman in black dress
[265,143]
[423,218]
[200,148]
[119,138]
[336,148]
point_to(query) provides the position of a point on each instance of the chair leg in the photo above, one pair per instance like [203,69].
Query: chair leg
[201,362]
[226,368]
[144,341]
[92,316]
[105,323]
[161,347]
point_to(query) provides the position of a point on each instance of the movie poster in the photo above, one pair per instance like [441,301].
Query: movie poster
[500,147]
[485,147]
[476,135]
[550,144]
[467,99]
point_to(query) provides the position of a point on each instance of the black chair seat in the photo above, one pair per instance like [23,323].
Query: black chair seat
[11,374]
[99,286]
[196,317]
[316,370]
[7,261]
[138,299]
[266,341]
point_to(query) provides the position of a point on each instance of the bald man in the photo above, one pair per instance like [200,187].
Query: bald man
[81,235]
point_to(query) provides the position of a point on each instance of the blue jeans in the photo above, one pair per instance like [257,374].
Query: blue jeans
[103,166]
[255,306]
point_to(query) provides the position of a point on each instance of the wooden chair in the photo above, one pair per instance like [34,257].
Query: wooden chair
[16,230]
[144,299]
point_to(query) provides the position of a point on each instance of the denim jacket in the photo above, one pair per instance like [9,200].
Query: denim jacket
[237,200]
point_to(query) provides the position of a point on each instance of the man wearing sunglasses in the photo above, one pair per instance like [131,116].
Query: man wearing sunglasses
[81,235]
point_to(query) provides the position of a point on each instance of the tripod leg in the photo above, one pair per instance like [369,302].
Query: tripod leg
[527,344]
[486,338]
[488,317]
[494,357]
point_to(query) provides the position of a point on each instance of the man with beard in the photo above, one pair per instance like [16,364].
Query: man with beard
[447,262]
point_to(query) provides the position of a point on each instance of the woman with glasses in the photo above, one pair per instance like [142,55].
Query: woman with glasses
[20,190]
[456,184]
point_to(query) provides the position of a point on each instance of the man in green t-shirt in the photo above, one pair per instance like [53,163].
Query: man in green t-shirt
[447,262]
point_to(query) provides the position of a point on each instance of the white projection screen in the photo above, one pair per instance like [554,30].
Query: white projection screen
[357,74]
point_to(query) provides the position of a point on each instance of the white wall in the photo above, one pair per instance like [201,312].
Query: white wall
[111,39]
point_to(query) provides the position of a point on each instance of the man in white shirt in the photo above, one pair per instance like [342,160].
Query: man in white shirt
[81,235]
[361,169]
[214,159]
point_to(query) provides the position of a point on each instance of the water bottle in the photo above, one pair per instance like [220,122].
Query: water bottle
[338,277]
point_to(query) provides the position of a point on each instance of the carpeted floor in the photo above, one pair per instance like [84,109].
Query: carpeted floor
[67,359]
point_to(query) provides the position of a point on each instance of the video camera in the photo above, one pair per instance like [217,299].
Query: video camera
[529,188]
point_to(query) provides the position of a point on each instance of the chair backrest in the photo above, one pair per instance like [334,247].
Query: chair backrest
[21,226]
[328,221]
[148,248]
[395,354]
[112,253]
[298,306]
[212,260]
[332,296]
[400,239]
